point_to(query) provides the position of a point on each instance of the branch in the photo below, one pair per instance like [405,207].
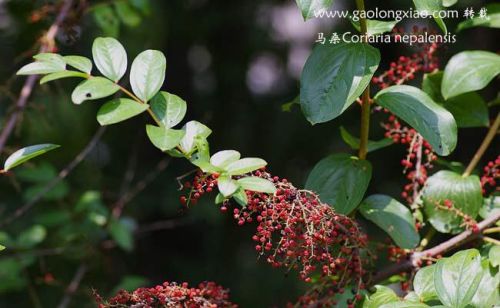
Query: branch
[62,175]
[73,286]
[29,84]
[414,260]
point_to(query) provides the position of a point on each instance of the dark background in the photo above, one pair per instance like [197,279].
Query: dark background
[235,63]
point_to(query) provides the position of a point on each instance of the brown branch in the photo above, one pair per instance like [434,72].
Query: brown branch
[73,286]
[47,43]
[62,175]
[415,259]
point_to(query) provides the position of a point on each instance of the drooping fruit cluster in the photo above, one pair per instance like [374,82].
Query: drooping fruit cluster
[418,161]
[491,176]
[206,295]
[405,68]
[295,230]
[201,184]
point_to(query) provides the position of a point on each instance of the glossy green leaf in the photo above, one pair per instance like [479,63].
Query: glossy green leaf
[494,255]
[164,138]
[119,110]
[45,63]
[423,283]
[257,184]
[109,57]
[121,232]
[23,155]
[457,278]
[487,294]
[464,192]
[412,297]
[241,197]
[404,304]
[80,63]
[469,71]
[308,8]
[2,247]
[219,198]
[227,186]
[492,20]
[415,107]
[168,108]
[468,109]
[334,76]
[148,73]
[393,217]
[222,159]
[341,181]
[429,7]
[193,130]
[93,88]
[60,75]
[31,236]
[383,295]
[107,20]
[448,3]
[375,27]
[353,142]
[490,206]
[127,14]
[245,165]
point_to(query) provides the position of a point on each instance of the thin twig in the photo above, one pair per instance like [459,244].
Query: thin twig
[62,175]
[73,286]
[141,185]
[29,84]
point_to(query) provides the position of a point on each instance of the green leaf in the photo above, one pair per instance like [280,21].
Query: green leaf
[80,63]
[393,217]
[492,20]
[193,130]
[382,295]
[227,186]
[127,14]
[494,255]
[412,297]
[121,232]
[241,197]
[468,109]
[119,110]
[341,181]
[222,159]
[63,74]
[469,71]
[245,165]
[448,3]
[2,247]
[23,155]
[205,166]
[107,20]
[334,76]
[257,184]
[353,142]
[109,57]
[487,294]
[309,7]
[423,284]
[32,236]
[164,138]
[148,73]
[45,63]
[93,88]
[490,206]
[457,278]
[142,5]
[463,192]
[168,108]
[432,121]
[404,304]
[429,7]
[219,198]
[375,27]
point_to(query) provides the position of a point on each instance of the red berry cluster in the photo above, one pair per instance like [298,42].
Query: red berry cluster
[491,176]
[405,68]
[419,159]
[201,184]
[297,231]
[206,295]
